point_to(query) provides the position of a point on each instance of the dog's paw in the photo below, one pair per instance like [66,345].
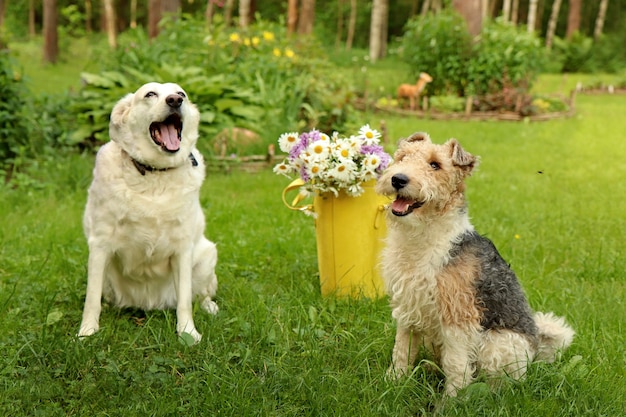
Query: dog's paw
[190,333]
[395,373]
[87,330]
[210,306]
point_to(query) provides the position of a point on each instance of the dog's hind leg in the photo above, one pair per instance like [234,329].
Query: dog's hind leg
[458,357]
[204,278]
[405,350]
[505,352]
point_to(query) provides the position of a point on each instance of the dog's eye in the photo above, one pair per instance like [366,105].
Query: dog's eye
[183,95]
[150,94]
[435,165]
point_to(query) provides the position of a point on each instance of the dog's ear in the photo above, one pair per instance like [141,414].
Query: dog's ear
[120,110]
[418,137]
[460,157]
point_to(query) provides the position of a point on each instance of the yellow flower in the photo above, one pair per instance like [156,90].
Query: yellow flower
[234,37]
[256,41]
[276,52]
[268,36]
[517,236]
[289,53]
[246,41]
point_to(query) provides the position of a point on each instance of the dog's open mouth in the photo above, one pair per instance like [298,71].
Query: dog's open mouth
[403,206]
[167,134]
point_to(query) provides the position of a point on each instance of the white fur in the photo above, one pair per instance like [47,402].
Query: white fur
[146,232]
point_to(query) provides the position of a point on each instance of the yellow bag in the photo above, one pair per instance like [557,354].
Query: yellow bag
[349,234]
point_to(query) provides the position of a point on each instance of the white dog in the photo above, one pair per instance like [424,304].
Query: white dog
[143,220]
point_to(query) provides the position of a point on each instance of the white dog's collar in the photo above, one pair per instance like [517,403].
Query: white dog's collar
[142,168]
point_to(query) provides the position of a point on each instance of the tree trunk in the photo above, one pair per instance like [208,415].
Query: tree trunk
[506,10]
[170,6]
[351,25]
[339,35]
[554,17]
[154,17]
[50,35]
[208,14]
[109,12]
[532,15]
[471,12]
[3,10]
[32,31]
[377,25]
[597,32]
[88,16]
[244,13]
[484,10]
[514,11]
[133,14]
[307,17]
[292,16]
[425,7]
[573,18]
[228,13]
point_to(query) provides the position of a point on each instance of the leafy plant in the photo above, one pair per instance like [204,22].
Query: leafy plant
[503,54]
[440,45]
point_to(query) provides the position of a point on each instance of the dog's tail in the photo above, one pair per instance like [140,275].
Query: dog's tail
[554,336]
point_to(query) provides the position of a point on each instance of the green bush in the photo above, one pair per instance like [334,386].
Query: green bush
[14,125]
[257,78]
[440,45]
[503,53]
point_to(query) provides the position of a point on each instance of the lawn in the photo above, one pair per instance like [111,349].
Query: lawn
[545,193]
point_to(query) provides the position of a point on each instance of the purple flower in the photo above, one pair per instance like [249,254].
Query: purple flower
[377,150]
[303,142]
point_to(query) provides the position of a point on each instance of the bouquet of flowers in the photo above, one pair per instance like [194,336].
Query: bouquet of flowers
[333,163]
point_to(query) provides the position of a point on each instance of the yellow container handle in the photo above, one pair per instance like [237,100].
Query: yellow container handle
[296,185]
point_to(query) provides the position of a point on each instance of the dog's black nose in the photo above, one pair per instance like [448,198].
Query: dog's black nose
[174,100]
[399,181]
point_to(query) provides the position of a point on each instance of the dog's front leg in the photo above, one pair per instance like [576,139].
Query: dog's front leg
[458,357]
[184,295]
[96,269]
[405,350]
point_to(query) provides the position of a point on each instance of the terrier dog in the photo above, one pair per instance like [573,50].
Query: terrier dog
[450,290]
[413,91]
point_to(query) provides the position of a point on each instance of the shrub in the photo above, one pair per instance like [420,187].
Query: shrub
[255,78]
[440,45]
[503,54]
[14,126]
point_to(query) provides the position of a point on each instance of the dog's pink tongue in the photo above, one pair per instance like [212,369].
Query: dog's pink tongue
[169,137]
[400,205]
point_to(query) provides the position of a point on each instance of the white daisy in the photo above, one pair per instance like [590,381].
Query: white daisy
[370,136]
[283,168]
[318,150]
[287,141]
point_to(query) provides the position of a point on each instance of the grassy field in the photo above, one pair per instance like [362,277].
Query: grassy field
[546,193]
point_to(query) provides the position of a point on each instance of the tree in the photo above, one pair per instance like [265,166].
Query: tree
[471,12]
[378,33]
[244,13]
[31,18]
[3,9]
[532,15]
[573,18]
[109,13]
[306,17]
[154,16]
[292,16]
[506,10]
[554,16]
[351,25]
[50,34]
[597,32]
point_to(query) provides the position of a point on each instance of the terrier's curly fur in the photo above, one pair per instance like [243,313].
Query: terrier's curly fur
[450,290]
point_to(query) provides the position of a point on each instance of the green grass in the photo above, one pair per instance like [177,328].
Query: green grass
[549,194]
